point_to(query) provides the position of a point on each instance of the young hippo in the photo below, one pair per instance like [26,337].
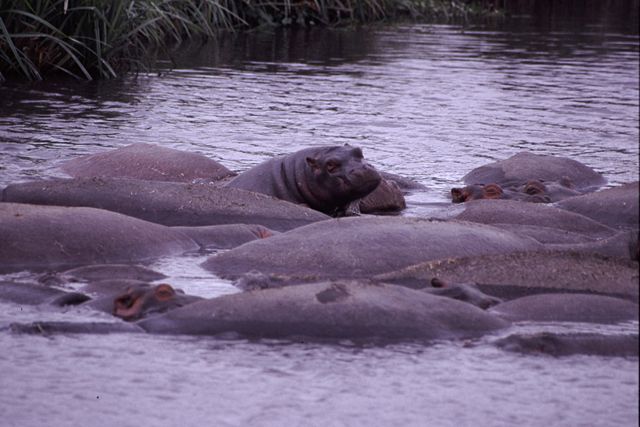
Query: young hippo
[326,179]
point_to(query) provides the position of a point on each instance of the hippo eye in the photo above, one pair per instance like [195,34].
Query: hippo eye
[332,166]
[125,301]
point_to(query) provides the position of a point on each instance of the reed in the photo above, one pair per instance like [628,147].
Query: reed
[89,39]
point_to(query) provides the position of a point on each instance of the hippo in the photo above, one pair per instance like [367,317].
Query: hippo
[363,246]
[477,192]
[226,236]
[516,274]
[166,203]
[562,307]
[621,345]
[615,207]
[36,294]
[353,310]
[99,272]
[53,237]
[142,301]
[326,179]
[534,191]
[147,162]
[467,292]
[404,183]
[524,166]
[551,191]
[387,197]
[509,212]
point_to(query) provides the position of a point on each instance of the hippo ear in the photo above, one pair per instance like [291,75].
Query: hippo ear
[457,195]
[164,292]
[313,163]
[492,191]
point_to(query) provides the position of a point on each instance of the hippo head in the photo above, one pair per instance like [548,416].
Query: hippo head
[341,176]
[476,192]
[534,187]
[138,302]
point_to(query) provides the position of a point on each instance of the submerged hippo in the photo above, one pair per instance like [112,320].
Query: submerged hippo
[53,237]
[567,308]
[616,207]
[226,236]
[143,300]
[100,272]
[534,191]
[363,246]
[167,203]
[329,310]
[147,162]
[513,215]
[553,344]
[36,294]
[516,274]
[525,166]
[467,292]
[326,179]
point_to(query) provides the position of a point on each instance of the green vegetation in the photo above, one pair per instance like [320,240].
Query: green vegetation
[90,39]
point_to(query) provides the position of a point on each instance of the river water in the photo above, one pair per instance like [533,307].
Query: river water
[426,101]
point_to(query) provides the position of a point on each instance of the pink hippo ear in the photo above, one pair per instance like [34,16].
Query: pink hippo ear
[164,292]
[313,163]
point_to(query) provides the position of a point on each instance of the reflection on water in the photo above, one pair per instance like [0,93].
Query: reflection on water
[430,102]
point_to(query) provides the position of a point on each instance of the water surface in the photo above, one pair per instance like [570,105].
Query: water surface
[427,101]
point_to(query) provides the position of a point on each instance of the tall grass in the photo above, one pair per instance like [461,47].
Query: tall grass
[90,39]
[96,38]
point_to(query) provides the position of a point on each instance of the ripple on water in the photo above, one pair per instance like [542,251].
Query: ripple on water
[431,102]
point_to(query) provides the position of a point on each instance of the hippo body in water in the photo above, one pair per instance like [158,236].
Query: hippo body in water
[533,191]
[36,294]
[363,246]
[53,237]
[515,214]
[516,274]
[525,166]
[147,162]
[326,179]
[167,203]
[557,345]
[561,307]
[329,310]
[615,207]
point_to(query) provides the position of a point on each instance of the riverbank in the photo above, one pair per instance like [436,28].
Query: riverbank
[89,39]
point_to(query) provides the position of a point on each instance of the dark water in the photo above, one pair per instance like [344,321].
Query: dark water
[431,102]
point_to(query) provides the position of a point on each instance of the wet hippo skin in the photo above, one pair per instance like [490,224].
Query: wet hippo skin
[167,203]
[53,237]
[553,344]
[326,179]
[567,308]
[363,246]
[524,166]
[147,162]
[333,310]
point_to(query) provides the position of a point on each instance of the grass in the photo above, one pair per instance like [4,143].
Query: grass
[89,39]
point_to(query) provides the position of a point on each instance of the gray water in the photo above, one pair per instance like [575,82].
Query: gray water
[426,101]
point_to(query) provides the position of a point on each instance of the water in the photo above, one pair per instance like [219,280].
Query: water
[430,102]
